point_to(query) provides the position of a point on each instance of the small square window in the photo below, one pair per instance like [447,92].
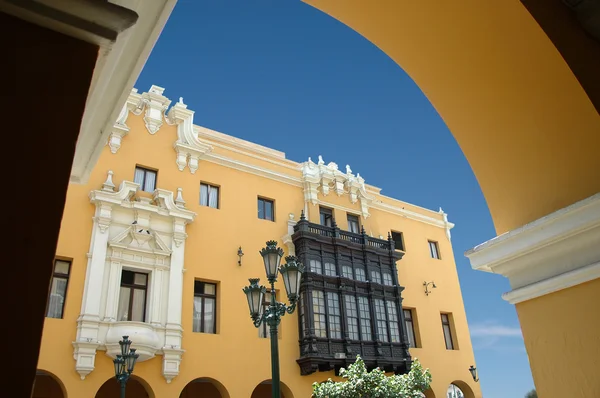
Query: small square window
[58,289]
[353,224]
[132,296]
[434,250]
[209,195]
[398,239]
[326,216]
[205,308]
[146,178]
[266,209]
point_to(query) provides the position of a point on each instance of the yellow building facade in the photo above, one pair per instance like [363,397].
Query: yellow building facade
[149,248]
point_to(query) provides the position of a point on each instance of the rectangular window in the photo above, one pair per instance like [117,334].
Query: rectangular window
[266,209]
[58,289]
[365,318]
[410,327]
[398,239]
[326,216]
[353,224]
[318,303]
[393,321]
[434,249]
[376,277]
[387,279]
[146,178]
[351,317]
[132,296]
[209,195]
[381,318]
[347,271]
[315,266]
[447,331]
[263,329]
[334,318]
[330,269]
[205,307]
[360,274]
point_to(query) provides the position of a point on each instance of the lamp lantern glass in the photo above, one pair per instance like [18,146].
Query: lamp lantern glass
[131,360]
[118,362]
[125,344]
[272,258]
[291,272]
[255,295]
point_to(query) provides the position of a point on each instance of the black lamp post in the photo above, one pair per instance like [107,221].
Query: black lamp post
[291,272]
[124,363]
[473,371]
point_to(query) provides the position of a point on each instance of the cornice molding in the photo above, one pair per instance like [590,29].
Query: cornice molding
[554,252]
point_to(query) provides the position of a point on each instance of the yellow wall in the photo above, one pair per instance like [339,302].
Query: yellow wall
[562,340]
[211,254]
[524,123]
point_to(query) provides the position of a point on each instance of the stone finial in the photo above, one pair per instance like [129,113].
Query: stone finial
[441,211]
[321,161]
[291,216]
[348,169]
[108,185]
[179,202]
[181,100]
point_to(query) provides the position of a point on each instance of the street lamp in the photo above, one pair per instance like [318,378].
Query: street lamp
[124,363]
[473,371]
[291,272]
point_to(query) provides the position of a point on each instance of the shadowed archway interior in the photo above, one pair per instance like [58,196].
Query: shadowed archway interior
[204,387]
[263,390]
[47,385]
[136,388]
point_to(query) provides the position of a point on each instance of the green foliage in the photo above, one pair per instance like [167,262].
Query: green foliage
[531,394]
[375,384]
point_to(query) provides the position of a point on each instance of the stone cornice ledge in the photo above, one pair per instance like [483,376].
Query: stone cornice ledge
[552,253]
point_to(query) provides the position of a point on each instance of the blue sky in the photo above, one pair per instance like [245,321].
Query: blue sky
[285,75]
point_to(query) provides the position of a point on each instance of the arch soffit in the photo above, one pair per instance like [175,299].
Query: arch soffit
[218,385]
[465,388]
[53,376]
[501,131]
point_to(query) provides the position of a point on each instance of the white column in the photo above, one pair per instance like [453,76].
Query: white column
[112,293]
[156,292]
[176,277]
[92,291]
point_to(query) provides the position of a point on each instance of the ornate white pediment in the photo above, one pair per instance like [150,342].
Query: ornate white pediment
[140,239]
[321,177]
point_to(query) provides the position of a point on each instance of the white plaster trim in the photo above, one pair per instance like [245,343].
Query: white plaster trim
[411,215]
[561,224]
[554,284]
[546,255]
[116,70]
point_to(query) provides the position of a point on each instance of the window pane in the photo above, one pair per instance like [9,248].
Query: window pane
[123,312]
[347,271]
[140,279]
[268,210]
[61,267]
[398,243]
[150,183]
[197,320]
[330,269]
[138,178]
[210,288]
[203,195]
[318,303]
[209,315]
[393,321]
[382,327]
[335,327]
[445,318]
[375,277]
[411,334]
[448,337]
[315,266]
[351,317]
[387,279]
[365,318]
[137,308]
[261,209]
[360,275]
[214,197]
[57,298]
